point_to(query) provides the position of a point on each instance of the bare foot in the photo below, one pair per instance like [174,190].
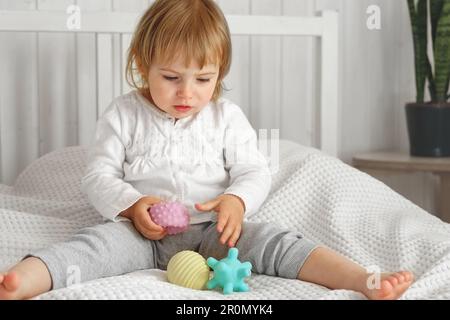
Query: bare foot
[9,286]
[391,286]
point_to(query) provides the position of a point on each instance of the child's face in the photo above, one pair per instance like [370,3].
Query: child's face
[179,90]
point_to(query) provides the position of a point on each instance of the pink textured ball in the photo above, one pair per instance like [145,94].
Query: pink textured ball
[173,216]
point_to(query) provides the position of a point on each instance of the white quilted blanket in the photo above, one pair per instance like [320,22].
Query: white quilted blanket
[327,200]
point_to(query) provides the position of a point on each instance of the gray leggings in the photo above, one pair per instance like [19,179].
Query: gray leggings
[116,248]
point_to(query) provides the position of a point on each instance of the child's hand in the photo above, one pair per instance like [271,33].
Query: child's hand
[138,213]
[230,214]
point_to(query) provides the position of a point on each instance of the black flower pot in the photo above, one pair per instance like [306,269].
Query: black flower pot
[428,129]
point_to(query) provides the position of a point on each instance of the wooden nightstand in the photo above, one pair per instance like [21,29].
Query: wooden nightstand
[391,161]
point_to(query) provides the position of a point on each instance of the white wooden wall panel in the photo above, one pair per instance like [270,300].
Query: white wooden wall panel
[19,135]
[117,64]
[265,81]
[106,69]
[64,66]
[370,77]
[2,104]
[355,82]
[105,81]
[58,89]
[330,110]
[238,80]
[87,85]
[298,77]
[87,90]
[382,67]
[111,56]
[125,44]
[130,5]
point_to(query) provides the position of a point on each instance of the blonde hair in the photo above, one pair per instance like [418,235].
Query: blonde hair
[195,29]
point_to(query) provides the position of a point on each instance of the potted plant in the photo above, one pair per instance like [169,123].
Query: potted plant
[429,121]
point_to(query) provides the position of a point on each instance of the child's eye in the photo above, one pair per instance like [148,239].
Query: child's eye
[170,78]
[203,80]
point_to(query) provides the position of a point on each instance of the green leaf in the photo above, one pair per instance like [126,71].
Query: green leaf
[431,83]
[442,53]
[435,13]
[419,15]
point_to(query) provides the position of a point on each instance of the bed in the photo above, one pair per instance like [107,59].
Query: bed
[312,191]
[327,200]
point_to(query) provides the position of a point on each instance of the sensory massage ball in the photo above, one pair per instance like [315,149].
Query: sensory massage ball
[229,273]
[173,216]
[188,269]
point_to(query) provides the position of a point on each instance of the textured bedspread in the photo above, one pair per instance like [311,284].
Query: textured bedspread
[327,200]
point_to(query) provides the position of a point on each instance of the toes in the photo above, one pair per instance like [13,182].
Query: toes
[403,276]
[11,281]
[393,285]
[393,280]
[386,288]
[408,276]
[400,277]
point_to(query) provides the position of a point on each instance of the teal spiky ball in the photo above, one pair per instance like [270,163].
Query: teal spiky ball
[229,273]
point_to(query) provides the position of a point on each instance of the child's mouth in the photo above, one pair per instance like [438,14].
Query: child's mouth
[182,108]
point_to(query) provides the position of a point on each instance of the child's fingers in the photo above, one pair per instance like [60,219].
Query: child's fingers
[154,227]
[158,235]
[222,220]
[152,235]
[227,232]
[208,206]
[235,236]
[150,201]
[149,233]
[148,223]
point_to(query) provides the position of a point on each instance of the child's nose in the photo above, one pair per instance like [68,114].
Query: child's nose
[185,91]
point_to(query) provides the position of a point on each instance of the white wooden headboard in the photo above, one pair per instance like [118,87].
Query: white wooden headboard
[110,68]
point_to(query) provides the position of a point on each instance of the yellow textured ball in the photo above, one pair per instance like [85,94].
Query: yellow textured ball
[188,269]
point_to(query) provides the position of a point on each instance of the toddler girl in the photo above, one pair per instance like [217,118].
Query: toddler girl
[174,137]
